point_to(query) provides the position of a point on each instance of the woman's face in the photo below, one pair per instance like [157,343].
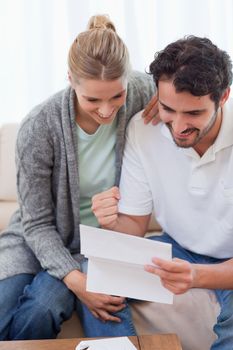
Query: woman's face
[100,100]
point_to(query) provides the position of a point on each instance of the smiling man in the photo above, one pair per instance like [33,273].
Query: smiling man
[183,169]
[192,121]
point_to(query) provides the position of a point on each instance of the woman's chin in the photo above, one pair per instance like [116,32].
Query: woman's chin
[106,120]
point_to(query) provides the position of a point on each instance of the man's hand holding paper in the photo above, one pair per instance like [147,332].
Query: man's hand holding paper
[116,264]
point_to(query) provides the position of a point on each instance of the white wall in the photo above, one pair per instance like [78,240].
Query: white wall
[35,36]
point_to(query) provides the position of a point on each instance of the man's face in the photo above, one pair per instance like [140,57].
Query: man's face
[191,119]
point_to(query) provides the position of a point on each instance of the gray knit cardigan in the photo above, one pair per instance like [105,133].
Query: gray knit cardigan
[44,233]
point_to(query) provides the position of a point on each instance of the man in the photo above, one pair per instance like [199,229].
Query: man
[183,168]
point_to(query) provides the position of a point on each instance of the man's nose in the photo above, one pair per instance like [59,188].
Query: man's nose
[178,124]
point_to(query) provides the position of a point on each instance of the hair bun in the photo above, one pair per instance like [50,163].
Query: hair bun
[101,22]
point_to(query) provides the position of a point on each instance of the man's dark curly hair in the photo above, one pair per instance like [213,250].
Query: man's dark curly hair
[195,65]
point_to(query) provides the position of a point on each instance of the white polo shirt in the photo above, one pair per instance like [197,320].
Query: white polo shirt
[192,196]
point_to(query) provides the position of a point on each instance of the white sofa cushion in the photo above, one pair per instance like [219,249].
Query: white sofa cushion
[6,210]
[8,134]
[192,317]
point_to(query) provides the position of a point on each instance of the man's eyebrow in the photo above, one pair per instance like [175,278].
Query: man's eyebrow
[163,104]
[95,98]
[190,111]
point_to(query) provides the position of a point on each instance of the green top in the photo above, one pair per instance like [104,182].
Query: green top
[96,159]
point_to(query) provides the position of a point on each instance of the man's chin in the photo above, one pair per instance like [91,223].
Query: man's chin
[183,143]
[186,142]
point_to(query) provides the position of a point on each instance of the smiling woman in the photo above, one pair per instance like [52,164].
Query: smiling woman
[98,101]
[98,71]
[69,148]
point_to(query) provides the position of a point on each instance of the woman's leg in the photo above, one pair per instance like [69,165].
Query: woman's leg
[10,290]
[93,327]
[42,308]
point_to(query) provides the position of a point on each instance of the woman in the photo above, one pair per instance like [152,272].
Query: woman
[68,148]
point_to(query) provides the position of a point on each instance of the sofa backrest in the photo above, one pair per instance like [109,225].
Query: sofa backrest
[8,134]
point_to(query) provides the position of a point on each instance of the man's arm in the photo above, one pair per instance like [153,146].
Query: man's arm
[105,208]
[177,275]
[216,276]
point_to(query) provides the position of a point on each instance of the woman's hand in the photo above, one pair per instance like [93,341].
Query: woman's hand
[151,112]
[100,305]
[177,275]
[105,207]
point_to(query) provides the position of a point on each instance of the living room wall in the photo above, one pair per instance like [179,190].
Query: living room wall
[36,35]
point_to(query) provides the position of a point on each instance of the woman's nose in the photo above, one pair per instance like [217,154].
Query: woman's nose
[105,110]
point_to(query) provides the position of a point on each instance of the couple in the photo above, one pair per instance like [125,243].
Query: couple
[180,167]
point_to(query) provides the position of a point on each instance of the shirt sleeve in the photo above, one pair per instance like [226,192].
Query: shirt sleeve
[136,197]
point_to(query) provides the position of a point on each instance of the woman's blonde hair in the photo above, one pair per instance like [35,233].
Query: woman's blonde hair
[98,53]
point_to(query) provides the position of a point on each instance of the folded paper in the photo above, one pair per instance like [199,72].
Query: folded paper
[120,343]
[116,264]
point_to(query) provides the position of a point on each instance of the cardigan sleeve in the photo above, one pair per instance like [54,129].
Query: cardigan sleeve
[34,163]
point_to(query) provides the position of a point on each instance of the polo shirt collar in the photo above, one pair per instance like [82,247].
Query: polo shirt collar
[225,136]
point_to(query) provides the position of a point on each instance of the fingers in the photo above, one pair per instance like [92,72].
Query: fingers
[156,120]
[104,203]
[106,211]
[175,275]
[106,316]
[100,305]
[114,308]
[149,106]
[106,300]
[105,214]
[175,288]
[150,114]
[113,192]
[115,300]
[105,206]
[106,306]
[102,301]
[95,314]
[175,265]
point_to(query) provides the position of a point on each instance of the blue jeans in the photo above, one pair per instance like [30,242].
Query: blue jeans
[93,327]
[34,307]
[224,326]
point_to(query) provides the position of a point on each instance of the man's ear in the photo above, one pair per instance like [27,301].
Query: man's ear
[224,97]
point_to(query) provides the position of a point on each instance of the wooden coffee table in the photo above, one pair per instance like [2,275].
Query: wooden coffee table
[142,342]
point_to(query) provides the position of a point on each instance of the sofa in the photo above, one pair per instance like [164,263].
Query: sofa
[192,315]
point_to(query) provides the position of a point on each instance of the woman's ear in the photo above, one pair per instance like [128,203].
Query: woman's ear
[224,97]
[70,79]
